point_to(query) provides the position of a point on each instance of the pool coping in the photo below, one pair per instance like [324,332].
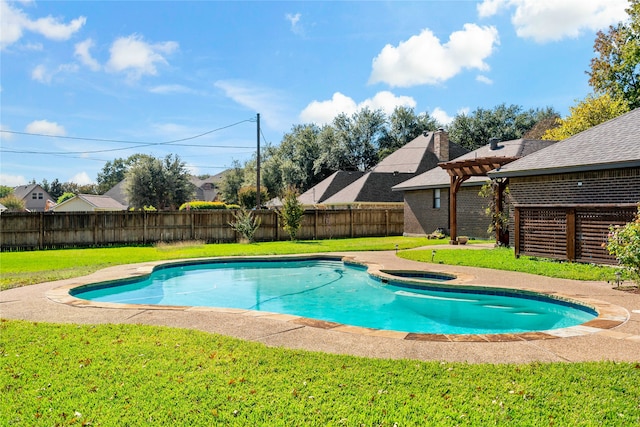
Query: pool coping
[609,315]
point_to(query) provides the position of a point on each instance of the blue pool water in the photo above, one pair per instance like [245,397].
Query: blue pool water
[338,292]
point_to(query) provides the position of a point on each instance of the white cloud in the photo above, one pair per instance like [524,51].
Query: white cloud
[484,79]
[81,178]
[45,127]
[12,180]
[5,136]
[43,75]
[552,20]
[83,54]
[266,101]
[136,57]
[422,59]
[169,89]
[441,116]
[322,112]
[296,26]
[40,74]
[15,21]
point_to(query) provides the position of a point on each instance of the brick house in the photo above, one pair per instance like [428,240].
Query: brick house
[375,186]
[427,196]
[564,197]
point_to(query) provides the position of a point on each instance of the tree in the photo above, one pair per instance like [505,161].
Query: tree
[12,203]
[5,191]
[65,196]
[231,183]
[114,171]
[163,184]
[616,68]
[247,196]
[291,213]
[503,122]
[587,113]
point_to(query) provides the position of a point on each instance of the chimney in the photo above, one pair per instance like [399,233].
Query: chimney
[441,145]
[493,143]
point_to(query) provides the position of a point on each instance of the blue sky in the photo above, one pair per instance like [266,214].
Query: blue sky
[107,79]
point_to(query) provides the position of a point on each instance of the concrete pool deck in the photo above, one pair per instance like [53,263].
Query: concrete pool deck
[615,335]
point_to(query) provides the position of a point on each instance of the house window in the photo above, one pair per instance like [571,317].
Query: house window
[436,198]
[40,196]
[34,196]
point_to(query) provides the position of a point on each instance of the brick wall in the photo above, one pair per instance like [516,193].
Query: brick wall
[597,187]
[421,218]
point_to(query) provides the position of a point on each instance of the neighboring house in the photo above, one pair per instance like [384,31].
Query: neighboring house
[417,156]
[205,189]
[34,197]
[427,196]
[89,203]
[329,186]
[565,197]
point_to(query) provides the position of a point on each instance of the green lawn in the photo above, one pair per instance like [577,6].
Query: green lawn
[134,375]
[504,259]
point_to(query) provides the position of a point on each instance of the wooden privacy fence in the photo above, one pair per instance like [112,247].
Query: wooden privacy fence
[574,233]
[26,231]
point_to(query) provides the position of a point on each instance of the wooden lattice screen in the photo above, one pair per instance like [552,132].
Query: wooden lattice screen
[575,233]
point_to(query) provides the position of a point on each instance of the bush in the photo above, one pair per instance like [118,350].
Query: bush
[247,197]
[245,224]
[12,203]
[624,244]
[291,213]
[198,205]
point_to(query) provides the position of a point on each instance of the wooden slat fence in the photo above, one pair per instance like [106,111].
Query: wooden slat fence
[574,233]
[27,231]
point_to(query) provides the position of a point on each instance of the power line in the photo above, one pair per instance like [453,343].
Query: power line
[127,141]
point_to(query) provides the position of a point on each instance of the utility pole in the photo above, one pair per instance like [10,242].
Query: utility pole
[258,201]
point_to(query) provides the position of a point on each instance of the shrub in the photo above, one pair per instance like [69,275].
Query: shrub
[245,224]
[12,203]
[65,196]
[624,243]
[198,205]
[291,213]
[247,196]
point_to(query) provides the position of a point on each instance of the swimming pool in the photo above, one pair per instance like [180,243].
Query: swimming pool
[334,291]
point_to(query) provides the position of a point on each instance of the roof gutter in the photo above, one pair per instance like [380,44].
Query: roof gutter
[567,169]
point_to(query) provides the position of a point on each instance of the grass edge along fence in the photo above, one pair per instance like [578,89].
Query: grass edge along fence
[38,230]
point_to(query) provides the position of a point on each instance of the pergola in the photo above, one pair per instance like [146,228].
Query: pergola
[462,170]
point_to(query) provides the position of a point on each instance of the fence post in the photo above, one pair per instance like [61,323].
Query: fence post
[315,225]
[386,219]
[351,225]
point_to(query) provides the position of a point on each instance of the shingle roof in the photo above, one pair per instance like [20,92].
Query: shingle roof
[610,145]
[97,201]
[438,177]
[413,158]
[328,187]
[21,191]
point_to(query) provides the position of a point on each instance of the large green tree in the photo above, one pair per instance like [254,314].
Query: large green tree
[232,182]
[503,122]
[161,183]
[616,68]
[114,171]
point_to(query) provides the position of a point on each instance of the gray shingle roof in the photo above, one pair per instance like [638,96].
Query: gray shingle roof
[438,177]
[413,158]
[610,145]
[328,187]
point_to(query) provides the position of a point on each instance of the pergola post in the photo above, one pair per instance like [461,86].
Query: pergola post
[501,236]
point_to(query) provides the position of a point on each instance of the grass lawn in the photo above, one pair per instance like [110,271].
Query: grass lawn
[503,259]
[132,375]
